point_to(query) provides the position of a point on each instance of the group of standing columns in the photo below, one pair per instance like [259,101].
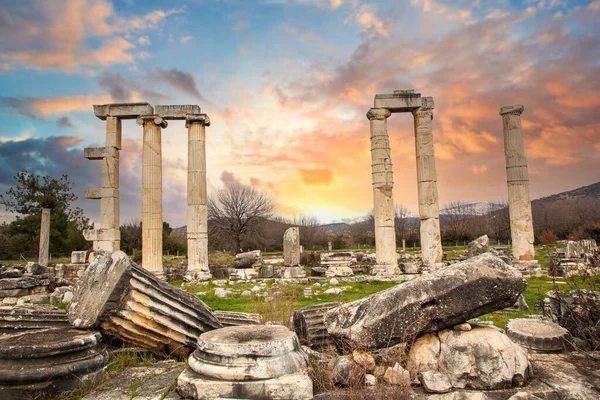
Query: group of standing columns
[383,182]
[107,236]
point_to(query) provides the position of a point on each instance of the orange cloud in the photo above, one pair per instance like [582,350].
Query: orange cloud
[65,104]
[479,169]
[316,176]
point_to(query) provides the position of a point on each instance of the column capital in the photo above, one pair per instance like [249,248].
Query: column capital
[156,119]
[515,109]
[197,118]
[426,108]
[378,113]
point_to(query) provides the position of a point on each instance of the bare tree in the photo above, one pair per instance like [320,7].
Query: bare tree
[401,222]
[310,229]
[498,220]
[236,211]
[458,217]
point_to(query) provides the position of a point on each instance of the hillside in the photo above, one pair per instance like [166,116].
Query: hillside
[592,190]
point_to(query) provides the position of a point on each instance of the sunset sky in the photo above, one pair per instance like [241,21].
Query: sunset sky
[287,84]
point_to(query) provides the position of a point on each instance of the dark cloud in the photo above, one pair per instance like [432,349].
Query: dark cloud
[179,80]
[64,122]
[22,105]
[229,179]
[121,88]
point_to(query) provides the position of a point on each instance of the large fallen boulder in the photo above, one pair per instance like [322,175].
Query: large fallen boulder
[478,246]
[482,358]
[445,298]
[129,303]
[249,259]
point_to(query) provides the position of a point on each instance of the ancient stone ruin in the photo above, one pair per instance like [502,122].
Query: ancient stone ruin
[107,236]
[383,181]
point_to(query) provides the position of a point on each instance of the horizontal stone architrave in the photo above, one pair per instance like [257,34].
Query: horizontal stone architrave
[102,234]
[176,112]
[99,193]
[98,153]
[122,110]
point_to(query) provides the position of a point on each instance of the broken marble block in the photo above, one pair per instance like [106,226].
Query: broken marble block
[129,303]
[233,318]
[442,299]
[41,364]
[249,362]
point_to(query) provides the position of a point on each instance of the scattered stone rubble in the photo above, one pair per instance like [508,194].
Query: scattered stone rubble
[575,258]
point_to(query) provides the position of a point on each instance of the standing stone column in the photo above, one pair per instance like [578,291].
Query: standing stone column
[291,246]
[197,226]
[429,210]
[383,183]
[519,203]
[44,238]
[152,221]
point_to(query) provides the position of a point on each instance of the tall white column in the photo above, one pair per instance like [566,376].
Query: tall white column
[44,238]
[197,226]
[429,210]
[519,203]
[152,221]
[383,202]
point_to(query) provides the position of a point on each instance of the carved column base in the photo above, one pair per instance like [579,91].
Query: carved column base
[131,304]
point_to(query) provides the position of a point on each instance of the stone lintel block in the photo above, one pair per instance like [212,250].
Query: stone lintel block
[98,153]
[99,193]
[177,112]
[427,103]
[122,110]
[202,118]
[514,109]
[106,246]
[102,234]
[399,101]
[157,119]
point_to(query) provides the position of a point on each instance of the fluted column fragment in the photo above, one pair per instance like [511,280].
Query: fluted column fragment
[519,203]
[383,183]
[131,304]
[197,226]
[152,221]
[429,211]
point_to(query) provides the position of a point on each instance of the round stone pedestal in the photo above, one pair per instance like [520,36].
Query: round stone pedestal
[31,316]
[42,363]
[247,361]
[538,335]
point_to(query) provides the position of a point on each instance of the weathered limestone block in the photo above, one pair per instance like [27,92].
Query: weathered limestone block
[44,238]
[31,316]
[399,101]
[339,271]
[482,358]
[176,111]
[427,303]
[478,246]
[231,318]
[249,259]
[519,203]
[291,246]
[242,274]
[292,273]
[248,361]
[40,364]
[78,257]
[131,304]
[337,259]
[538,335]
[122,110]
[309,324]
[68,274]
